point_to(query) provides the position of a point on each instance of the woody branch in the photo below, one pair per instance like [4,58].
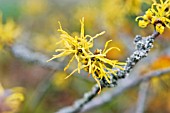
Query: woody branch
[143,46]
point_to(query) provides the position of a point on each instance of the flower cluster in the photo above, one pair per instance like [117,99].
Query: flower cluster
[158,15]
[96,64]
[8,32]
[11,99]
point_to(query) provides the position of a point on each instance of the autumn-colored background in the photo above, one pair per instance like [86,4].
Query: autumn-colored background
[47,91]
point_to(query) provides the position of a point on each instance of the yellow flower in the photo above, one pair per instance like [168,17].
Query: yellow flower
[96,64]
[160,28]
[77,46]
[161,15]
[8,32]
[11,100]
[101,67]
[143,23]
[145,20]
[158,15]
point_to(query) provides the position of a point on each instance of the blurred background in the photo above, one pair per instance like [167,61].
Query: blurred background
[45,88]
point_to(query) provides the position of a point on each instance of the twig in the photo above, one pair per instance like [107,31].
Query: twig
[142,97]
[79,103]
[123,86]
[24,53]
[143,46]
